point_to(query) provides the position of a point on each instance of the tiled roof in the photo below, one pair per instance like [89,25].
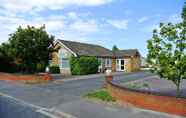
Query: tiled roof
[84,49]
[128,52]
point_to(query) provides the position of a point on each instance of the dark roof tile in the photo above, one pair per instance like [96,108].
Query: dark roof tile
[128,52]
[84,49]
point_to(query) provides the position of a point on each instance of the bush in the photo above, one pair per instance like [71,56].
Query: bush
[6,64]
[54,69]
[101,95]
[84,65]
[40,67]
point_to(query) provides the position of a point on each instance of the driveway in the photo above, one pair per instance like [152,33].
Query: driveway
[65,97]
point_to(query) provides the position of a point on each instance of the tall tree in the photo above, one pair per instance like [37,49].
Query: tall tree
[6,61]
[114,48]
[30,47]
[184,12]
[167,51]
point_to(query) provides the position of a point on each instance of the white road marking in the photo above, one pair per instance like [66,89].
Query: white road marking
[111,109]
[52,113]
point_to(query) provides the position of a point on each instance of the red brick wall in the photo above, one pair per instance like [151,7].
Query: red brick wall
[166,104]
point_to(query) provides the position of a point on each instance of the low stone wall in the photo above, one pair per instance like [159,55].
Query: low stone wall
[14,77]
[145,100]
[45,76]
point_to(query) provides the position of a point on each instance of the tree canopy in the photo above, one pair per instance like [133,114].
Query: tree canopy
[29,47]
[115,48]
[167,51]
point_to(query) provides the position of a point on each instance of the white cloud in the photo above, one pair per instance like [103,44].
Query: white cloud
[81,26]
[28,5]
[120,24]
[73,15]
[14,13]
[57,25]
[9,25]
[143,19]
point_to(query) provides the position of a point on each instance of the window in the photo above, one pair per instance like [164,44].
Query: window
[117,64]
[49,62]
[108,62]
[120,64]
[65,63]
[100,61]
[63,59]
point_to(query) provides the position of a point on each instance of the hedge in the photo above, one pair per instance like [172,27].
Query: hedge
[54,69]
[84,65]
[6,64]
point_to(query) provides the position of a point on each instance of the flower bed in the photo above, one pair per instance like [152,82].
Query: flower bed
[154,84]
[168,104]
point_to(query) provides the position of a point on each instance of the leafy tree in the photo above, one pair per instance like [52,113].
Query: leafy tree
[184,13]
[114,48]
[6,62]
[167,51]
[30,48]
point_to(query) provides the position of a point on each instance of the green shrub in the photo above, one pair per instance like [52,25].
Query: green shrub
[101,94]
[6,64]
[54,69]
[21,68]
[40,67]
[84,65]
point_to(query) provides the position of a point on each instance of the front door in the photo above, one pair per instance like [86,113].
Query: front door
[120,65]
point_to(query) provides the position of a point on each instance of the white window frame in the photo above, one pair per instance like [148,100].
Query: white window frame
[61,58]
[118,65]
[67,63]
[101,62]
[108,62]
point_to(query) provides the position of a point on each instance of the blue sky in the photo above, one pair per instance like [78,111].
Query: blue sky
[125,23]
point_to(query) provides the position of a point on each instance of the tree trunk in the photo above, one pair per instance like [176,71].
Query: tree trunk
[178,89]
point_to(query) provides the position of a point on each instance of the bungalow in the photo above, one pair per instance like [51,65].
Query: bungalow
[121,60]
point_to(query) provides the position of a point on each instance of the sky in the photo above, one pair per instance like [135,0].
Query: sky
[125,23]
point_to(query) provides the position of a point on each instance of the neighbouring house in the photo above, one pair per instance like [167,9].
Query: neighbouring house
[144,63]
[122,60]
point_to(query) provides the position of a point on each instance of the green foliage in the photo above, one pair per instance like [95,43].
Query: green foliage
[137,85]
[6,64]
[29,48]
[40,67]
[134,86]
[101,95]
[184,12]
[114,48]
[84,65]
[166,51]
[75,66]
[54,69]
[146,85]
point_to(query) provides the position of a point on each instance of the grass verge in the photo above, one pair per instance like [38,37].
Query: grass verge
[101,94]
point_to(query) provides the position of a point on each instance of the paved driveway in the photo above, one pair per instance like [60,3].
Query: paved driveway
[66,98]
